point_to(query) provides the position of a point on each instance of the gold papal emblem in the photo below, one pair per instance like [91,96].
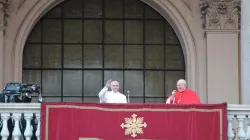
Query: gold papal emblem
[133,125]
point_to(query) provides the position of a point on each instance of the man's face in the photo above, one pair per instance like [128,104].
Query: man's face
[115,86]
[181,87]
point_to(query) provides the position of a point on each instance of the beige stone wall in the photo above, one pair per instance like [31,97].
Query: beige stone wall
[206,72]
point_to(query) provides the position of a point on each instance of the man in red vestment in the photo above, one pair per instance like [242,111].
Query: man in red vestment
[183,95]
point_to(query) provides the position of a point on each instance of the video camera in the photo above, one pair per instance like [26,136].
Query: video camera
[13,91]
[18,88]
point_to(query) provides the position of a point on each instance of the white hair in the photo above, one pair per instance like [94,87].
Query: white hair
[114,82]
[182,81]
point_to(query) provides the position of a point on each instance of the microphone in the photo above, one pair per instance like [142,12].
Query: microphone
[128,92]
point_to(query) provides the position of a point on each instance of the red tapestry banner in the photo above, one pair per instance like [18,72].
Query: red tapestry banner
[90,121]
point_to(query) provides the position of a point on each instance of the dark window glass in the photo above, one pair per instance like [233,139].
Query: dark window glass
[80,44]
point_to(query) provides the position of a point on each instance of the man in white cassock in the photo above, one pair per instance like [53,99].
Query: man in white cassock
[113,96]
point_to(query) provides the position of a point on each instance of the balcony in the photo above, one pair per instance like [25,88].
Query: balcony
[25,120]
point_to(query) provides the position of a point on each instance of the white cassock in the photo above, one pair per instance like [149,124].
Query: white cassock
[111,97]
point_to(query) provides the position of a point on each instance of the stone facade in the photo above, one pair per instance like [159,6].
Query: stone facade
[189,18]
[220,15]
[221,23]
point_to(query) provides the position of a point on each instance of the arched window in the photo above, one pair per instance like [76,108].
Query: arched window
[80,44]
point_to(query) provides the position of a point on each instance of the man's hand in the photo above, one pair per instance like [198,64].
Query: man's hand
[108,83]
[173,92]
[28,95]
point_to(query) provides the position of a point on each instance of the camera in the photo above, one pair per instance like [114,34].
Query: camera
[17,88]
[15,92]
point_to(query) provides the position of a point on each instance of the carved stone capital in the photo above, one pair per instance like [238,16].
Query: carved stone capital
[4,13]
[220,14]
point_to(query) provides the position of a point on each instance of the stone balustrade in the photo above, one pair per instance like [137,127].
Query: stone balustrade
[21,121]
[238,117]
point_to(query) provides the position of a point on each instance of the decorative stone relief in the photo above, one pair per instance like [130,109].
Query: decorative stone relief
[220,14]
[4,13]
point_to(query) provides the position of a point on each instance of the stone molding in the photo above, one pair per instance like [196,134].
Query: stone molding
[220,14]
[21,2]
[4,14]
[187,3]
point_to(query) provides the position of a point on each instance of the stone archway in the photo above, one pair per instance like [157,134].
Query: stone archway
[31,11]
[172,14]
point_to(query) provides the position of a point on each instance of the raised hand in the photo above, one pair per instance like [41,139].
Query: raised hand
[173,92]
[108,84]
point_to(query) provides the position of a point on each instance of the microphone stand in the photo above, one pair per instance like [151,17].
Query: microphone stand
[128,92]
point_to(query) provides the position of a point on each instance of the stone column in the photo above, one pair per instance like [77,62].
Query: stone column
[4,13]
[245,51]
[220,22]
[2,28]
